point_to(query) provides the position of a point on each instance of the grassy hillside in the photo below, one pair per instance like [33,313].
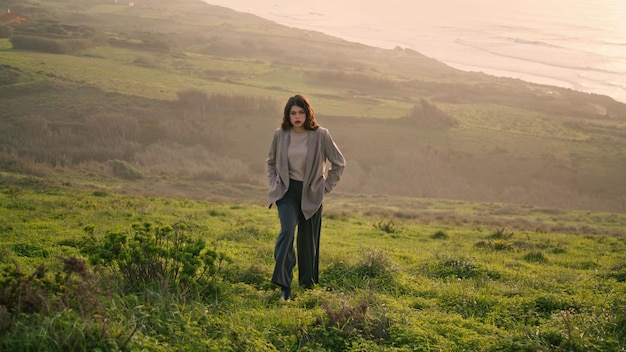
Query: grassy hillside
[182,97]
[102,271]
[132,189]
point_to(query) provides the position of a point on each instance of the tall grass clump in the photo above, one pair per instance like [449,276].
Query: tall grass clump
[457,268]
[535,257]
[373,270]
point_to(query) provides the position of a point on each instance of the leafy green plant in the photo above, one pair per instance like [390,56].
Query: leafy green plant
[386,226]
[153,255]
[66,304]
[30,250]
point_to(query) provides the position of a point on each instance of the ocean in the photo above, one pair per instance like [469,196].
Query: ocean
[577,44]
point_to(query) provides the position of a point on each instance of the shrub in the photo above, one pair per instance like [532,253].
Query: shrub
[155,255]
[428,114]
[5,31]
[124,170]
[386,226]
[34,43]
[30,250]
[71,289]
[439,235]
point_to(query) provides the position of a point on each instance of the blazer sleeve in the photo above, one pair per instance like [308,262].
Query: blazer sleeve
[337,162]
[271,160]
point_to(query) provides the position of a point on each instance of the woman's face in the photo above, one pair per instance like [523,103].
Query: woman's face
[297,116]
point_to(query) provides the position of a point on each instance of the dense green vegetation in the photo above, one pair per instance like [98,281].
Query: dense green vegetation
[93,270]
[189,92]
[132,188]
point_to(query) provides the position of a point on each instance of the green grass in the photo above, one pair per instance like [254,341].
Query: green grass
[396,273]
[406,264]
[5,44]
[115,70]
[497,153]
[120,77]
[510,120]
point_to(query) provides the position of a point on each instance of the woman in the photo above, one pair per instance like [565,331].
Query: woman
[296,170]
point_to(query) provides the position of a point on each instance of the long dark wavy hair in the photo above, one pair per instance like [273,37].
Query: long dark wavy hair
[299,100]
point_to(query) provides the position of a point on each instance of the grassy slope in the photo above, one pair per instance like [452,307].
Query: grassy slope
[515,142]
[431,275]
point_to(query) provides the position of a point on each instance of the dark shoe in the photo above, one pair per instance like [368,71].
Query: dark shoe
[285,294]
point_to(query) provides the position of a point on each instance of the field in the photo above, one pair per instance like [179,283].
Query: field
[195,94]
[397,274]
[475,213]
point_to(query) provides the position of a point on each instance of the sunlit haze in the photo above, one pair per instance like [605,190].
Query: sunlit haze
[574,44]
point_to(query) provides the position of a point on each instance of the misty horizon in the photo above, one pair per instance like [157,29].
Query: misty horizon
[579,47]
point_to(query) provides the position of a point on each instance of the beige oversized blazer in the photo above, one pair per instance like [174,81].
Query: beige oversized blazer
[317,180]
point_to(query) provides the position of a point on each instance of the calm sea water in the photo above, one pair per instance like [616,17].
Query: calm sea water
[578,44]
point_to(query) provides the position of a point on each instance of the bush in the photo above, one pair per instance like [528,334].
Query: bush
[34,43]
[439,235]
[428,114]
[124,170]
[42,293]
[156,255]
[5,31]
[386,226]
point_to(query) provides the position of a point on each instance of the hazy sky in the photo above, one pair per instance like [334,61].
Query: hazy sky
[579,44]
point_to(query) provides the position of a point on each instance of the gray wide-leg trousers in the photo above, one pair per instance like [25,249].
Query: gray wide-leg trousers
[307,242]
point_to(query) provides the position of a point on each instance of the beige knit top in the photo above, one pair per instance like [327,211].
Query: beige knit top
[297,155]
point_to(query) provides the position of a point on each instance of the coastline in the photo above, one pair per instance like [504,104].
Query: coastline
[524,43]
